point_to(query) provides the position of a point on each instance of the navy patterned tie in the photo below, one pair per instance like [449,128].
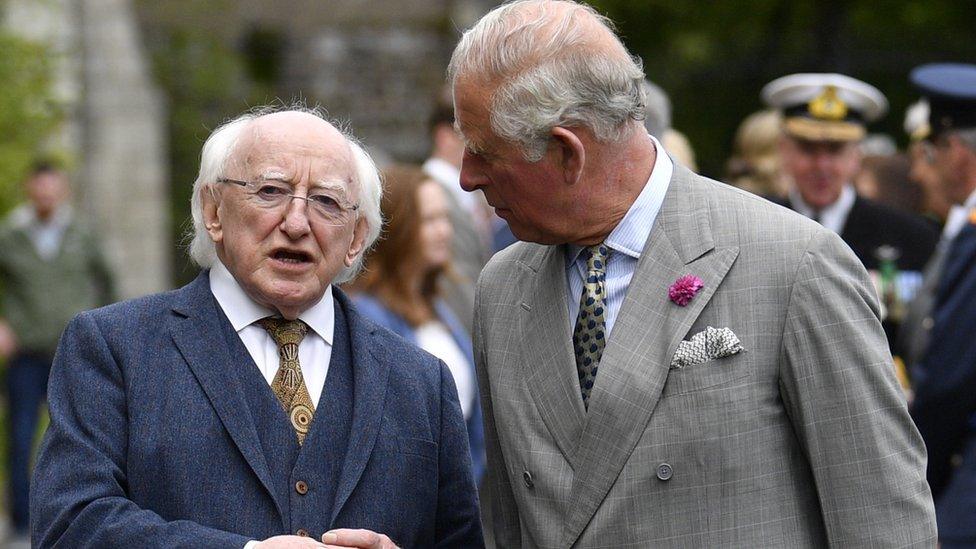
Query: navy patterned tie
[589,336]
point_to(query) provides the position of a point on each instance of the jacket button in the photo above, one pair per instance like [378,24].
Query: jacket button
[664,471]
[527,479]
[302,532]
[301,487]
[927,323]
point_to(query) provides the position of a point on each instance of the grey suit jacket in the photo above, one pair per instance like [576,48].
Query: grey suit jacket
[800,440]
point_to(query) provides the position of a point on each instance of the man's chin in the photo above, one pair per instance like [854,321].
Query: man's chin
[290,298]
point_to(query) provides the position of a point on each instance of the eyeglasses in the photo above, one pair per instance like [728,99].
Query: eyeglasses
[325,205]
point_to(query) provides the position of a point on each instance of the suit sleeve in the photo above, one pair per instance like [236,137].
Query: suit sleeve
[839,388]
[79,492]
[499,511]
[458,524]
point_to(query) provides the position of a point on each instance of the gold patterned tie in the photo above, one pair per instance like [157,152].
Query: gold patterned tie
[589,336]
[289,384]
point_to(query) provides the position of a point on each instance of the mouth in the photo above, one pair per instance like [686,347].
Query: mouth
[291,257]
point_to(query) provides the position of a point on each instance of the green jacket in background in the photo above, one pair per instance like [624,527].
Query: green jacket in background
[39,296]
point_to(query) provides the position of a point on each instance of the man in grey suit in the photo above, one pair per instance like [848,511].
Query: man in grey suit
[731,385]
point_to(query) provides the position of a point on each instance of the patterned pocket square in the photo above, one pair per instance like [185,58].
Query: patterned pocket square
[704,346]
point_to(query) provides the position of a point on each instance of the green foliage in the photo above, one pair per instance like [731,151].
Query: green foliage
[28,111]
[714,57]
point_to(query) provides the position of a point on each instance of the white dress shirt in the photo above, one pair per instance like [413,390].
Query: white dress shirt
[626,241]
[833,217]
[958,218]
[436,339]
[315,350]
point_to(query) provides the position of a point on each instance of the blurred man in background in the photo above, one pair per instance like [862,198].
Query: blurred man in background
[824,118]
[470,217]
[51,268]
[916,328]
[945,379]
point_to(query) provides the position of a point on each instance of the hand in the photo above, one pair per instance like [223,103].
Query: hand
[289,542]
[8,341]
[362,539]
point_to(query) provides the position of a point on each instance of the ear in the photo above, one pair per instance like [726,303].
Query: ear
[211,213]
[571,155]
[358,242]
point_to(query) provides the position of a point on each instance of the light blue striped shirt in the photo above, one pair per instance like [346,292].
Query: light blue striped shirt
[626,240]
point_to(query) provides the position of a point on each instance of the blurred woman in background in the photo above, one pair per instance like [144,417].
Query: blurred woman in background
[755,164]
[399,286]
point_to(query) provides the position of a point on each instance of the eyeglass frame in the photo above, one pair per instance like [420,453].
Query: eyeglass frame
[345,208]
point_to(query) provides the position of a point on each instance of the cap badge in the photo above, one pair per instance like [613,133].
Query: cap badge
[827,105]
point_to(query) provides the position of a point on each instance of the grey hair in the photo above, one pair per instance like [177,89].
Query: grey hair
[550,74]
[217,152]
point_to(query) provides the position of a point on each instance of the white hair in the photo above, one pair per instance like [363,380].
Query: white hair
[220,147]
[550,73]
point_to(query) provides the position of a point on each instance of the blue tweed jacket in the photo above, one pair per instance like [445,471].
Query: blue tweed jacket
[160,437]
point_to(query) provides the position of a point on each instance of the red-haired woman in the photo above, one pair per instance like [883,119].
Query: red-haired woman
[399,287]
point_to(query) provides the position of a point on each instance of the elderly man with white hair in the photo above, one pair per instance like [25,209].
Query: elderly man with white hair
[667,361]
[255,407]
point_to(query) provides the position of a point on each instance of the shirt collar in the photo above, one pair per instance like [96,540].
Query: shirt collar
[970,201]
[833,216]
[630,235]
[242,311]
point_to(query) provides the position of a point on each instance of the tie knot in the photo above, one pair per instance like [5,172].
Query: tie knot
[284,331]
[596,258]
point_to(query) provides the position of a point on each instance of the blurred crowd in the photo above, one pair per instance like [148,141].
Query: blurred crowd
[900,210]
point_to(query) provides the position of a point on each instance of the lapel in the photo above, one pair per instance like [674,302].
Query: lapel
[371,373]
[547,346]
[198,335]
[636,361]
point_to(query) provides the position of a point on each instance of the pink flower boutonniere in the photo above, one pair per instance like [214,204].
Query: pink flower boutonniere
[684,289]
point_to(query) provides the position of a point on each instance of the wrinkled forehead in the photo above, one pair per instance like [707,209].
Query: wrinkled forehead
[293,146]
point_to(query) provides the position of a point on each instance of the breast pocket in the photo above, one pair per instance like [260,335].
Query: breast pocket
[710,375]
[417,447]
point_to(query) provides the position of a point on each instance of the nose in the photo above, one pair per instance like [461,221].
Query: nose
[470,177]
[295,222]
[823,161]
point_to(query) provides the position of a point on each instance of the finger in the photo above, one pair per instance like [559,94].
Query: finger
[348,537]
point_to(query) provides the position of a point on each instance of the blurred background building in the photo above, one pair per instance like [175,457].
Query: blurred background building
[137,85]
